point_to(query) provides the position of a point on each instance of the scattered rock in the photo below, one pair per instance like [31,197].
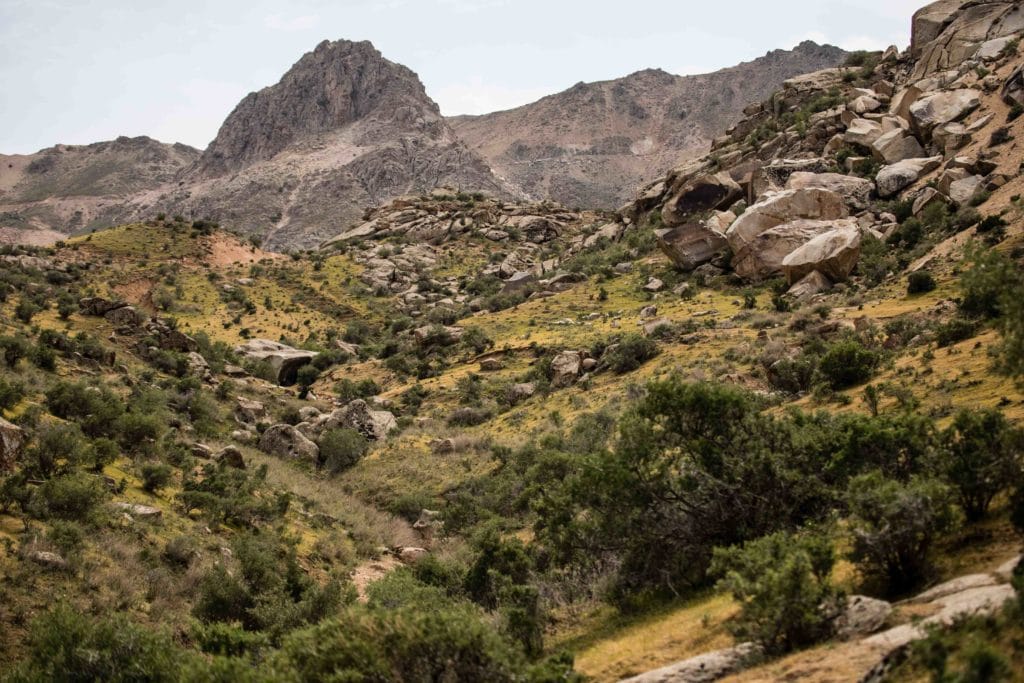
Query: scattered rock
[375,425]
[862,616]
[125,316]
[232,457]
[944,107]
[285,441]
[140,511]
[491,365]
[856,191]
[691,245]
[654,326]
[654,285]
[411,555]
[48,560]
[565,368]
[521,392]
[703,668]
[811,284]
[896,145]
[248,411]
[284,360]
[895,177]
[965,190]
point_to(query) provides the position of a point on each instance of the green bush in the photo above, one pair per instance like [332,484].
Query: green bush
[630,353]
[340,449]
[920,282]
[848,363]
[72,497]
[13,349]
[348,391]
[895,525]
[782,585]
[989,283]
[954,331]
[983,458]
[11,393]
[155,476]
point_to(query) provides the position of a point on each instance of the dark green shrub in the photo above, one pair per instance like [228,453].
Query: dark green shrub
[983,458]
[990,281]
[468,417]
[155,476]
[630,353]
[348,391]
[340,449]
[782,584]
[954,331]
[72,497]
[13,349]
[848,363]
[11,393]
[920,282]
[895,525]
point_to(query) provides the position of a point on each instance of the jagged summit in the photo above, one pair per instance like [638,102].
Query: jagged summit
[336,85]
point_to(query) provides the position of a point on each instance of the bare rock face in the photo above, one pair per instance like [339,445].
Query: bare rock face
[285,441]
[717,191]
[12,438]
[896,145]
[283,359]
[764,255]
[945,107]
[948,32]
[595,144]
[833,254]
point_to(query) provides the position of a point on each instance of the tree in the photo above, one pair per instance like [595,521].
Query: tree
[847,364]
[894,526]
[340,449]
[782,584]
[983,458]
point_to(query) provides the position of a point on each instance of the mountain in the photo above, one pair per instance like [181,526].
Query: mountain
[595,143]
[342,130]
[67,188]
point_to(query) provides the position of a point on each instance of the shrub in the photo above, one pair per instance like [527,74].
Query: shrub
[988,284]
[630,353]
[72,497]
[155,476]
[894,526]
[96,409]
[340,449]
[920,282]
[348,391]
[57,446]
[954,331]
[983,458]
[13,349]
[781,582]
[468,417]
[11,393]
[847,363]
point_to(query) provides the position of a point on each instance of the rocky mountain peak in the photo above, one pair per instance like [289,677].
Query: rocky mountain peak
[335,85]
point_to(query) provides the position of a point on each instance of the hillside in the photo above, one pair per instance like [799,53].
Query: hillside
[70,188]
[594,144]
[762,423]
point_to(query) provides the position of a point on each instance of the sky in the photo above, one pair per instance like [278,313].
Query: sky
[80,71]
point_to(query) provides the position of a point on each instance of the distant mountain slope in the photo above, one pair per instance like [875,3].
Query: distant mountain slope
[66,188]
[342,130]
[595,143]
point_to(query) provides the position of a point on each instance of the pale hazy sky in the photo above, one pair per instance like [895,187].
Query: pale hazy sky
[79,71]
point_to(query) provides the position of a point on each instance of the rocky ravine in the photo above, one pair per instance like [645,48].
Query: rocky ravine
[594,144]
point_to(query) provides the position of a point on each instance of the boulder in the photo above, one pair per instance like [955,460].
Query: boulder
[521,392]
[97,306]
[704,668]
[943,107]
[950,137]
[48,560]
[896,145]
[762,258]
[248,411]
[411,555]
[864,104]
[895,177]
[653,284]
[704,193]
[856,191]
[834,254]
[1013,88]
[565,368]
[967,189]
[691,245]
[197,366]
[811,284]
[928,197]
[861,616]
[140,511]
[862,132]
[232,457]
[902,100]
[429,334]
[283,360]
[491,365]
[285,441]
[125,316]
[12,439]
[373,424]
[784,207]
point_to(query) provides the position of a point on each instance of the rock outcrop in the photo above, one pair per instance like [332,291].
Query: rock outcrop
[283,360]
[12,438]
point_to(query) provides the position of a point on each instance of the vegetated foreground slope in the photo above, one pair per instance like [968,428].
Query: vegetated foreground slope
[511,430]
[594,144]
